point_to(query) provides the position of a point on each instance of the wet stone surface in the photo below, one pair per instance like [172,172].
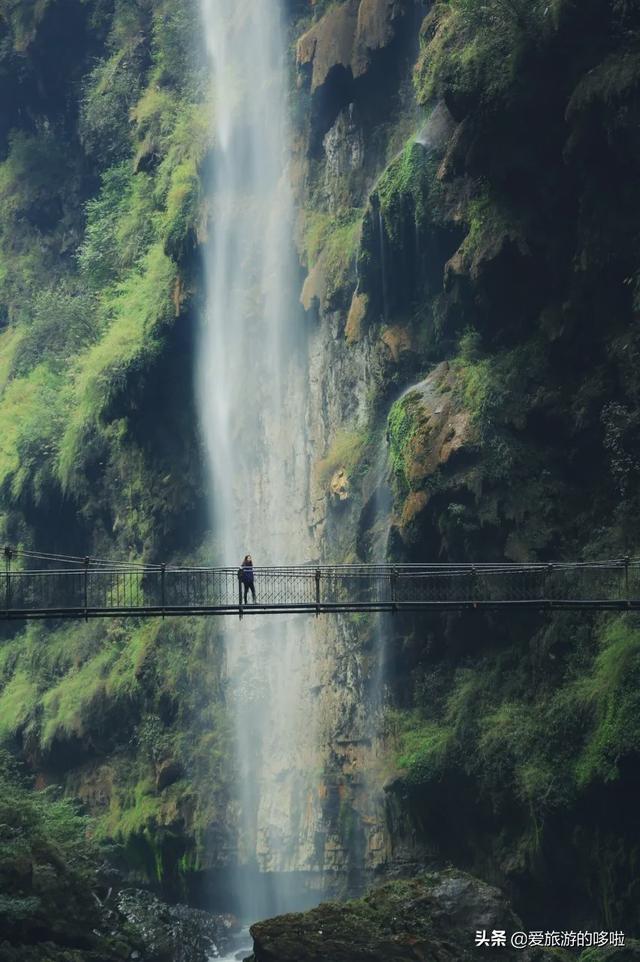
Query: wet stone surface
[433,917]
[175,933]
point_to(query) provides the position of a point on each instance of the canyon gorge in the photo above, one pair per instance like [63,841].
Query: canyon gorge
[326,283]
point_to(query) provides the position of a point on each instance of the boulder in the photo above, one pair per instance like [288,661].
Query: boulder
[433,917]
[174,933]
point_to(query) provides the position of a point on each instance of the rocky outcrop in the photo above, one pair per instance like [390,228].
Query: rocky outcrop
[131,925]
[435,916]
[441,427]
[430,433]
[174,933]
[348,36]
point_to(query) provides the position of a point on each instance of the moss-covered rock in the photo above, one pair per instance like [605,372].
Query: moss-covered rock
[432,916]
[428,429]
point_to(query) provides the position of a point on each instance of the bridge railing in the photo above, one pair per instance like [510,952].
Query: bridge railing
[128,589]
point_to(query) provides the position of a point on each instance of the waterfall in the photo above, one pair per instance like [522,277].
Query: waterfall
[383,266]
[381,525]
[252,388]
[249,273]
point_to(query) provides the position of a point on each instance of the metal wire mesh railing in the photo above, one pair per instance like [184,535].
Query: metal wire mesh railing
[51,586]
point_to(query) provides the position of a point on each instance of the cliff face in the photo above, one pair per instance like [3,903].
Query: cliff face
[467,232]
[103,153]
[472,275]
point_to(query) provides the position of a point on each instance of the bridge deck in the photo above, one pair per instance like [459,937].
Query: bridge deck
[96,590]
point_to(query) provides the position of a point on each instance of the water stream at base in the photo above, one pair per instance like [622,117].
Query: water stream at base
[252,388]
[242,947]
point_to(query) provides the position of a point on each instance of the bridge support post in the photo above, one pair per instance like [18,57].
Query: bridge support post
[239,599]
[86,562]
[8,554]
[545,587]
[317,592]
[626,581]
[394,589]
[163,604]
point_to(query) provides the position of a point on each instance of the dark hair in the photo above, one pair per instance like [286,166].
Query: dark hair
[247,559]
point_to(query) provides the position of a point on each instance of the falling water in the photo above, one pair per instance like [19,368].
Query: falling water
[244,366]
[252,392]
[382,515]
[383,266]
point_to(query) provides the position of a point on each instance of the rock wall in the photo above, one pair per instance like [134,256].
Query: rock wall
[473,296]
[467,233]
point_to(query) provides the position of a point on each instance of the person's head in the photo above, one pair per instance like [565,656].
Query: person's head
[247,560]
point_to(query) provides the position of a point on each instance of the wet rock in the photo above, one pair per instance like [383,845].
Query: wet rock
[174,933]
[347,36]
[434,446]
[438,129]
[434,917]
[168,772]
[344,145]
[439,426]
[629,952]
[356,317]
[339,485]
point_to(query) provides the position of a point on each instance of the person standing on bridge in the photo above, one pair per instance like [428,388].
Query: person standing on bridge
[245,576]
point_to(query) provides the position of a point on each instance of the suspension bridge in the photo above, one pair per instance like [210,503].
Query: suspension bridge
[37,586]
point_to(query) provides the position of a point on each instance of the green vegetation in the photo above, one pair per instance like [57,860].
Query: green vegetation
[511,252]
[408,182]
[101,203]
[49,881]
[86,685]
[346,452]
[609,694]
[93,302]
[330,246]
[519,744]
[530,753]
[403,424]
[478,49]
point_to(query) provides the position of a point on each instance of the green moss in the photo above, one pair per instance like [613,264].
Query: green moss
[183,207]
[346,452]
[423,749]
[17,699]
[408,182]
[330,245]
[9,342]
[101,203]
[106,684]
[68,706]
[52,887]
[615,78]
[611,694]
[139,309]
[110,93]
[23,20]
[121,225]
[28,435]
[38,189]
[402,426]
[474,51]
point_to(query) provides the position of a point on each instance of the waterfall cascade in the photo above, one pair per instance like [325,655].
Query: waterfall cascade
[252,392]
